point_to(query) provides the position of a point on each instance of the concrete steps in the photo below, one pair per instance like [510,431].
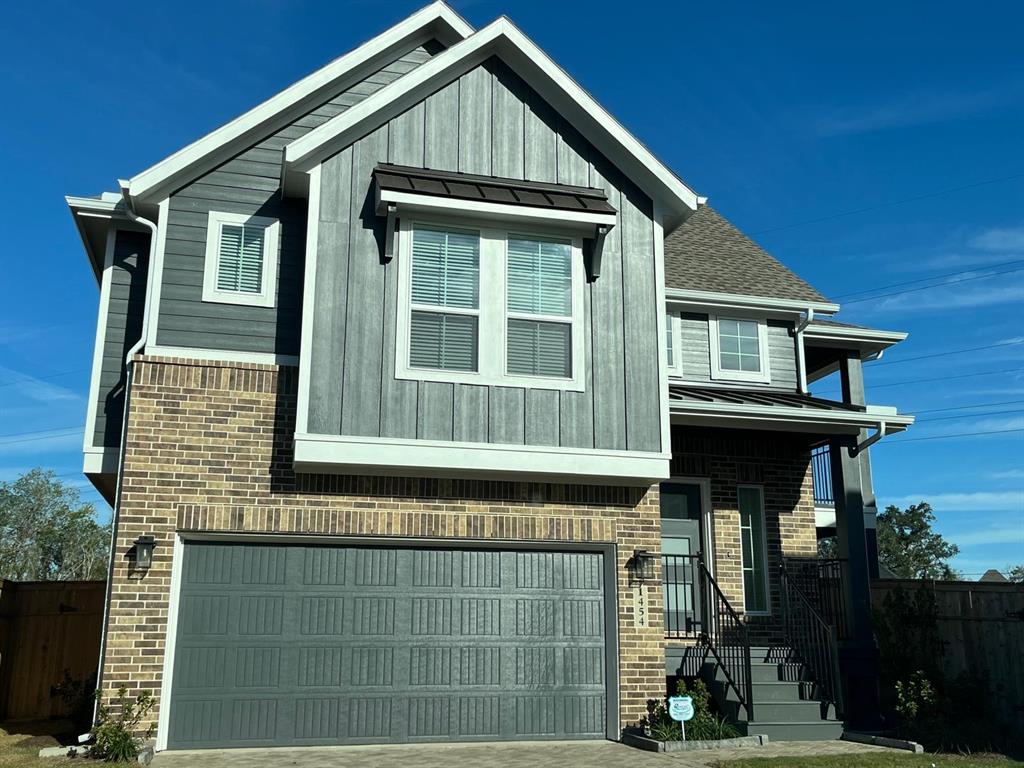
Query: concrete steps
[785,705]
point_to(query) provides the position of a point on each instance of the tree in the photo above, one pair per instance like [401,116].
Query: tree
[1015,573]
[907,545]
[47,533]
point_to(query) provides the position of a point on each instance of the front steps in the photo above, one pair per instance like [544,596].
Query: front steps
[785,705]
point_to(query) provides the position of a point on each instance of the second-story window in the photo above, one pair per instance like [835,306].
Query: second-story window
[489,305]
[241,259]
[738,349]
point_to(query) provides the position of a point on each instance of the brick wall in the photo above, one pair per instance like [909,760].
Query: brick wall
[208,448]
[780,464]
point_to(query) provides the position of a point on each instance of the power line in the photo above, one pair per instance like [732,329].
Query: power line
[971,415]
[950,352]
[950,437]
[889,204]
[926,279]
[41,431]
[937,285]
[43,437]
[929,380]
[29,379]
[966,407]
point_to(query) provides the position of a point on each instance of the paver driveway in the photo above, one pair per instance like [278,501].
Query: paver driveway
[547,754]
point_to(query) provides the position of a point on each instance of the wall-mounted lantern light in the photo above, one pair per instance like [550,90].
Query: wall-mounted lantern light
[144,546]
[641,565]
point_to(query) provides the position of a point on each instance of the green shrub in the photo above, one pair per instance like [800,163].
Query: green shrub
[115,738]
[706,724]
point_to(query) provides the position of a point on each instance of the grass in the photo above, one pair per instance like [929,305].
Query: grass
[876,760]
[20,744]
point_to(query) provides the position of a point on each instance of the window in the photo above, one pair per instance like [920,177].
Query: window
[241,259]
[750,500]
[673,344]
[489,306]
[738,349]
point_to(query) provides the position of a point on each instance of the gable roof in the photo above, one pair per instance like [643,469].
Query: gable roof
[435,21]
[503,39]
[708,253]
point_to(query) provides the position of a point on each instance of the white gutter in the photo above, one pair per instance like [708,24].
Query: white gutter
[801,362]
[736,300]
[130,210]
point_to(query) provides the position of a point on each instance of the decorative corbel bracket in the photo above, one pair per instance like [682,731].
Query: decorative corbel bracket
[389,233]
[595,251]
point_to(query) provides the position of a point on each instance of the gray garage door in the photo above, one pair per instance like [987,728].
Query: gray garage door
[293,645]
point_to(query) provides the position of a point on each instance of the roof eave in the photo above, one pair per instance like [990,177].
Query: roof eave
[86,210]
[786,419]
[436,20]
[742,301]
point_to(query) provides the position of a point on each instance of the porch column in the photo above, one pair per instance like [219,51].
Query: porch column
[858,655]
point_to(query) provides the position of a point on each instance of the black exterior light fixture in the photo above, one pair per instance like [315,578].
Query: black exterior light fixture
[641,565]
[144,546]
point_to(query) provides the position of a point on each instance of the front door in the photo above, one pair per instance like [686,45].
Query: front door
[681,538]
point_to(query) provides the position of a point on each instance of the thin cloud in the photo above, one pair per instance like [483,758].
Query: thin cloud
[977,501]
[1000,240]
[26,385]
[1007,474]
[34,444]
[1007,289]
[996,535]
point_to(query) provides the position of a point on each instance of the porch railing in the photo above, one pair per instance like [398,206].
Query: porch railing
[814,640]
[680,579]
[821,473]
[823,583]
[727,640]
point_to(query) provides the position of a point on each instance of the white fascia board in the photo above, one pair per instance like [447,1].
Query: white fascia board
[865,336]
[391,456]
[824,517]
[435,20]
[100,461]
[503,39]
[740,301]
[411,201]
[795,419]
[88,212]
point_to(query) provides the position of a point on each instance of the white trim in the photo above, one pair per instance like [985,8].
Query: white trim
[675,370]
[492,313]
[308,300]
[416,203]
[735,301]
[163,214]
[764,551]
[101,461]
[267,297]
[761,376]
[825,517]
[869,335]
[222,355]
[435,20]
[503,39]
[430,458]
[88,439]
[665,424]
[170,639]
[781,417]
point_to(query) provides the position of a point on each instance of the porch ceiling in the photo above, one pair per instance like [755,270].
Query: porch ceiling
[780,411]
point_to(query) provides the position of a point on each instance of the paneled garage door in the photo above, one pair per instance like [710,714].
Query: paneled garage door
[292,645]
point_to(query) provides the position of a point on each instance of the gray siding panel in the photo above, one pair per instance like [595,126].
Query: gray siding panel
[695,347]
[248,184]
[782,355]
[489,121]
[123,328]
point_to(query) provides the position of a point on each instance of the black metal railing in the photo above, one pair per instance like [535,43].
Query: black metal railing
[726,639]
[813,639]
[822,581]
[680,579]
[821,473]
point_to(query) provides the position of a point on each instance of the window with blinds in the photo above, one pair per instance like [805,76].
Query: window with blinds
[539,300]
[241,259]
[445,299]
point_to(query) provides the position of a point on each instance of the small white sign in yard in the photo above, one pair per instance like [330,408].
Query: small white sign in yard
[680,709]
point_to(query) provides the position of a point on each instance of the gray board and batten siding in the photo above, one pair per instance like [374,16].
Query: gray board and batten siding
[249,183]
[490,122]
[128,267]
[696,351]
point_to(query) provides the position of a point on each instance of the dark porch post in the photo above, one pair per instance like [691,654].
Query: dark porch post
[858,656]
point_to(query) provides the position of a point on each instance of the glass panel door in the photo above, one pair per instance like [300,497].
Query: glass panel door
[680,549]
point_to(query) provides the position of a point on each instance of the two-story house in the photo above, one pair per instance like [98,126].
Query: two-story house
[432,406]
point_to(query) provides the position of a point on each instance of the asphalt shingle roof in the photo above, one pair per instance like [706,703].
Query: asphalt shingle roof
[708,253]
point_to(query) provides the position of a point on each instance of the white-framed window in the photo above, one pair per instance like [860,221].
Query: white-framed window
[673,344]
[494,305]
[753,549]
[241,259]
[739,348]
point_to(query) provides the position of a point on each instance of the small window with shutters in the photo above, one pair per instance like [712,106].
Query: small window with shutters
[241,259]
[489,306]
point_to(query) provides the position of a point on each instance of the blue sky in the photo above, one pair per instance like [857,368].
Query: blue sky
[865,145]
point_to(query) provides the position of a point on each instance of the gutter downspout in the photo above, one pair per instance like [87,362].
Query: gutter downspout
[135,349]
[801,362]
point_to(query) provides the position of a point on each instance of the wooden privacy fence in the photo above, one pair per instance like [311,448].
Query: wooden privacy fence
[46,627]
[981,627]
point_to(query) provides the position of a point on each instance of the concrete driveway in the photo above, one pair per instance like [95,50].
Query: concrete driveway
[539,754]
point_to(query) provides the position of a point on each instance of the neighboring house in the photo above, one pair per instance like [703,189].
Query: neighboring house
[434,407]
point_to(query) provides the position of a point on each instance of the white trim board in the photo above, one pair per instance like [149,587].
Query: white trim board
[436,20]
[503,39]
[88,439]
[761,376]
[712,299]
[170,639]
[156,272]
[308,301]
[788,419]
[270,256]
[223,355]
[346,454]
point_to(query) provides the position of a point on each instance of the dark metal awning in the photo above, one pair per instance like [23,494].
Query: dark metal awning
[779,410]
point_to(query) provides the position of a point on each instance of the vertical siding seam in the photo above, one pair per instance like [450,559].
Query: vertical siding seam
[622,309]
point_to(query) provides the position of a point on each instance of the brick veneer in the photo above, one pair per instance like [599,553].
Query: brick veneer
[209,449]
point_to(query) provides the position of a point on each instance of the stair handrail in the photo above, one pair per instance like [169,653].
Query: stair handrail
[814,640]
[732,652]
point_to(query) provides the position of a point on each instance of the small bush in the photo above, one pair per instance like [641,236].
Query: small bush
[114,735]
[78,696]
[705,724]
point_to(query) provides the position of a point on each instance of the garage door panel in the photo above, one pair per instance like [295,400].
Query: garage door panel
[332,645]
